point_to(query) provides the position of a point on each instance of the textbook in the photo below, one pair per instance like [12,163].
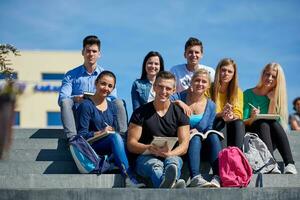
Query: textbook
[95,138]
[87,94]
[160,142]
[204,135]
[267,116]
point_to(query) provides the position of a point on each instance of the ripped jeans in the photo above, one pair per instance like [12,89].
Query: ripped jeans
[149,166]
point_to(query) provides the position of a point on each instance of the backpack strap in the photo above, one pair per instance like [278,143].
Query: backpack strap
[259,180]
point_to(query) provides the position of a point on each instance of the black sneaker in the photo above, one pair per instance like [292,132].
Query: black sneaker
[170,177]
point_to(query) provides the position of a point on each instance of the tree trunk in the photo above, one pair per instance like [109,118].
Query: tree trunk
[7,106]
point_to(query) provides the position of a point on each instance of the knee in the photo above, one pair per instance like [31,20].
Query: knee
[176,160]
[119,103]
[239,123]
[116,139]
[261,124]
[213,138]
[196,140]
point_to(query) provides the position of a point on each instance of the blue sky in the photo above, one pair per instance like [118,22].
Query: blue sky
[253,33]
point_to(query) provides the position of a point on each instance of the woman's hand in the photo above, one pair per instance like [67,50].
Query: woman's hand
[107,128]
[254,112]
[227,113]
[194,130]
[186,109]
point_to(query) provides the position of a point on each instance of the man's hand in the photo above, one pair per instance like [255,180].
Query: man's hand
[163,151]
[78,99]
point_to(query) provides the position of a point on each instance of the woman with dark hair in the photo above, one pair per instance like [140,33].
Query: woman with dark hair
[229,102]
[96,115]
[269,96]
[294,118]
[142,89]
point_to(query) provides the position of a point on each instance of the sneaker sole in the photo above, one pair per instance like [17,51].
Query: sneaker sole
[179,185]
[205,185]
[170,177]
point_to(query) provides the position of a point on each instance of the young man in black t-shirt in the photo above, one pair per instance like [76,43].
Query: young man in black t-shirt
[159,118]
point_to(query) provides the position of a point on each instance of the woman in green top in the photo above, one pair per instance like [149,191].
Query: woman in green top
[269,97]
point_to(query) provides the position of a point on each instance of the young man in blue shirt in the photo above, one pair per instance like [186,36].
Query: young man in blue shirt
[80,80]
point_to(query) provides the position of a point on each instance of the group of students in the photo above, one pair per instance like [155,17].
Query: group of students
[190,98]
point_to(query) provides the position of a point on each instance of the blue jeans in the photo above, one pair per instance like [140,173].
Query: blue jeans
[113,144]
[149,166]
[212,146]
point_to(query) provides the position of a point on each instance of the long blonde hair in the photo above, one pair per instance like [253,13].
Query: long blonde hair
[278,104]
[232,90]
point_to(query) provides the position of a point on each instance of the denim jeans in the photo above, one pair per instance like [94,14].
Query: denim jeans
[211,146]
[113,144]
[149,166]
[67,117]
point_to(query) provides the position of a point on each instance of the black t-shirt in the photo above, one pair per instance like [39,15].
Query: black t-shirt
[154,125]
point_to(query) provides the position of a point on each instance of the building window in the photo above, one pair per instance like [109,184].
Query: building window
[52,76]
[13,75]
[53,119]
[17,118]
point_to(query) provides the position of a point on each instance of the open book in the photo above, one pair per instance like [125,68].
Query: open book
[98,137]
[267,116]
[87,94]
[204,135]
[160,142]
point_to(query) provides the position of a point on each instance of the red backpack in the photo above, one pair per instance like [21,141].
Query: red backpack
[234,168]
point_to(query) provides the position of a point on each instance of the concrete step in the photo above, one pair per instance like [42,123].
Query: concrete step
[37,167]
[115,180]
[40,155]
[38,133]
[61,181]
[152,194]
[39,144]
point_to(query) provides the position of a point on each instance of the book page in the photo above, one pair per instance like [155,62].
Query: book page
[204,136]
[98,137]
[160,142]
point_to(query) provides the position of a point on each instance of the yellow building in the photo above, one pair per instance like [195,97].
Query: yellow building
[41,72]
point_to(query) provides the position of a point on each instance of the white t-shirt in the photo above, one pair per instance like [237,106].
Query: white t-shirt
[184,76]
[151,96]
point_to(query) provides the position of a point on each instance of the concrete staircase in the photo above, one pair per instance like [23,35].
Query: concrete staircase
[39,166]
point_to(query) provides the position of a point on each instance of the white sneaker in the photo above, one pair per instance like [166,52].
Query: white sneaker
[180,183]
[276,170]
[133,183]
[290,169]
[199,181]
[215,181]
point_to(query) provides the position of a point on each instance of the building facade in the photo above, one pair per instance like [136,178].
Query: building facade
[41,72]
